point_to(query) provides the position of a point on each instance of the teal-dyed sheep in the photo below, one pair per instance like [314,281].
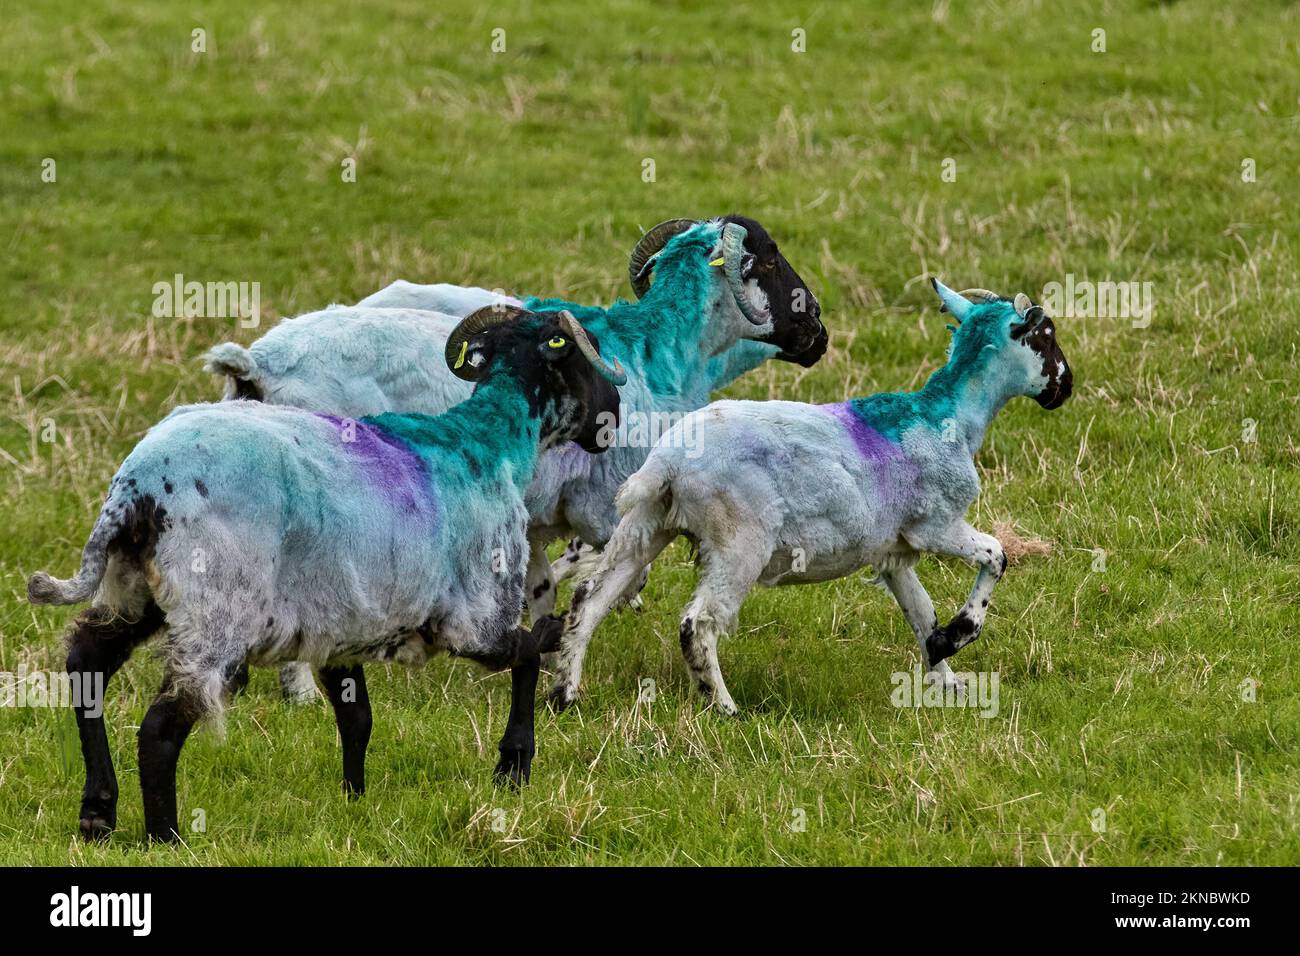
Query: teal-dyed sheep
[790,493]
[723,299]
[253,533]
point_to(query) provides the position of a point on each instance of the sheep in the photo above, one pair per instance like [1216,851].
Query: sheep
[258,533]
[349,361]
[716,283]
[342,360]
[790,493]
[724,369]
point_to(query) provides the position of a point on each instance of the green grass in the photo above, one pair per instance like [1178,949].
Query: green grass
[523,169]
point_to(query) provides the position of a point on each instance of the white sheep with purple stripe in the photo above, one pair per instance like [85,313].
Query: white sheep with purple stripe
[789,493]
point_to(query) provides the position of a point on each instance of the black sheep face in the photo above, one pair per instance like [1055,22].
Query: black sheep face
[778,291]
[574,399]
[1039,334]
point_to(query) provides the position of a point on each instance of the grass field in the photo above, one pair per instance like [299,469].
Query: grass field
[1168,486]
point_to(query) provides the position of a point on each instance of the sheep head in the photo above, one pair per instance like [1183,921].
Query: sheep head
[553,359]
[1012,342]
[764,288]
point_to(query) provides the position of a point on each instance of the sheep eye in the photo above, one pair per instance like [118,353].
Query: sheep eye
[558,342]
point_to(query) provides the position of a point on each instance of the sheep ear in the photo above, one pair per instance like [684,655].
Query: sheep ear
[472,342]
[954,302]
[1023,304]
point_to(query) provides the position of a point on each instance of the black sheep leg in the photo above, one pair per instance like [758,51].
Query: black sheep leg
[522,652]
[163,732]
[346,689]
[101,643]
[518,746]
[162,735]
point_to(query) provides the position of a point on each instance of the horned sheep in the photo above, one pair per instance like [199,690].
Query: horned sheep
[789,493]
[248,532]
[718,285]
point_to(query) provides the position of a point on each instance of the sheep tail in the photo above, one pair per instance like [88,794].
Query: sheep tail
[43,588]
[648,489]
[238,365]
[645,503]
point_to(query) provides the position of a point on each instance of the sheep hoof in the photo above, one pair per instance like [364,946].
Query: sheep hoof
[939,646]
[96,828]
[720,702]
[947,640]
[513,769]
[547,632]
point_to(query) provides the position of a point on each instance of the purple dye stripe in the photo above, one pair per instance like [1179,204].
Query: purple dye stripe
[893,472]
[871,443]
[397,471]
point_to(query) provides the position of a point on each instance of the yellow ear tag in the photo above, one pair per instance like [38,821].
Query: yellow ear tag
[719,261]
[556,343]
[464,347]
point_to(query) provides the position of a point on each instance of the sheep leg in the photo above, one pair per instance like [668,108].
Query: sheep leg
[726,577]
[917,607]
[99,645]
[634,602]
[699,633]
[521,651]
[297,684]
[566,563]
[518,745]
[578,553]
[592,601]
[538,583]
[346,689]
[984,551]
[239,683]
[162,734]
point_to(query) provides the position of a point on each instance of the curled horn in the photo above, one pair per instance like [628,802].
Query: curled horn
[613,374]
[640,265]
[475,324]
[978,296]
[733,255]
